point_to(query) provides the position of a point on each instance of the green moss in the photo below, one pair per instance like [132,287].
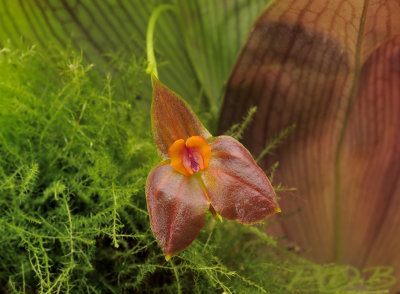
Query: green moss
[75,151]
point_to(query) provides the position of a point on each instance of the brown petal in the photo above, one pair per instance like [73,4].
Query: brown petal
[331,68]
[177,207]
[172,119]
[238,189]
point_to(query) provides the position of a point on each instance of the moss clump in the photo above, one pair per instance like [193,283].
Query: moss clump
[75,151]
[74,154]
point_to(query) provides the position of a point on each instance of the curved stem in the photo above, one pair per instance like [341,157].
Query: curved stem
[151,58]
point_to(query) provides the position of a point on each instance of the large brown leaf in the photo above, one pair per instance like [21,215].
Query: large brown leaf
[333,69]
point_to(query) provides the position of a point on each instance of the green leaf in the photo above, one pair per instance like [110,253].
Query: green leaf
[196,45]
[214,32]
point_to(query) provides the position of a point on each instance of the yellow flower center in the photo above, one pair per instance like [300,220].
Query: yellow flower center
[191,156]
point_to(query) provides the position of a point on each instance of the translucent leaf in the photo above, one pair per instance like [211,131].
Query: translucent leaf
[196,45]
[331,68]
[214,32]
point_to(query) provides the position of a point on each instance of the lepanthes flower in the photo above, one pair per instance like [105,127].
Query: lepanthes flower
[199,173]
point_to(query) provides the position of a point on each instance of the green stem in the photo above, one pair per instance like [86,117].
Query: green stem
[151,58]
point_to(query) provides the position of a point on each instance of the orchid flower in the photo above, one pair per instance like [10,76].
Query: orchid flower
[198,173]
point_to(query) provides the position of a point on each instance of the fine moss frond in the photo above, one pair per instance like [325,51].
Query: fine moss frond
[275,142]
[236,131]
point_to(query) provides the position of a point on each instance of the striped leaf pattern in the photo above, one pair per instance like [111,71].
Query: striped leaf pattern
[333,69]
[196,45]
